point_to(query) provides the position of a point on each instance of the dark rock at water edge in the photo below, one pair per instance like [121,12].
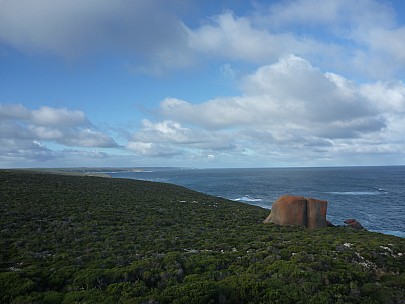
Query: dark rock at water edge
[353,223]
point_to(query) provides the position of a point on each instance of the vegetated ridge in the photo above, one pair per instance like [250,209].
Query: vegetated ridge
[82,239]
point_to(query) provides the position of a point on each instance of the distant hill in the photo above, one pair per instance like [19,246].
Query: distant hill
[83,239]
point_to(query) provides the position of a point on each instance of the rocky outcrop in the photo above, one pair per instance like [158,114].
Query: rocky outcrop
[298,211]
[353,223]
[288,210]
[316,213]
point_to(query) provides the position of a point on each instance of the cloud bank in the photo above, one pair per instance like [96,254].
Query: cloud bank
[25,133]
[289,107]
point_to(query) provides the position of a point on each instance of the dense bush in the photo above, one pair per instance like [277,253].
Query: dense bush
[81,239]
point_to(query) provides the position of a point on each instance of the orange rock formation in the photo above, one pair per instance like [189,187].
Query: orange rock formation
[298,211]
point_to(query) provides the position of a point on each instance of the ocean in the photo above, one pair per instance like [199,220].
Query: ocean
[375,196]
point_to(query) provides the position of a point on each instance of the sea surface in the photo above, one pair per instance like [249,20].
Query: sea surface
[375,196]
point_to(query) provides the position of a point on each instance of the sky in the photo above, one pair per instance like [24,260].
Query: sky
[202,84]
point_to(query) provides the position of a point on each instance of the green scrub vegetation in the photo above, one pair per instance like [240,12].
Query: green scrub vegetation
[83,239]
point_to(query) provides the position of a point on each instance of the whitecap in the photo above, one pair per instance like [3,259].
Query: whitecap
[247,198]
[354,193]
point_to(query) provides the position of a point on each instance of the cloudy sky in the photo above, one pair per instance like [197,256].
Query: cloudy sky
[228,83]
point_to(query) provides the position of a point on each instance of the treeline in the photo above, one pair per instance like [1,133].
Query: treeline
[80,239]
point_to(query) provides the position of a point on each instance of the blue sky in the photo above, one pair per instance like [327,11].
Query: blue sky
[202,83]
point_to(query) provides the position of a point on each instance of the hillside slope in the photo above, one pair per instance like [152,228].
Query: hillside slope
[80,239]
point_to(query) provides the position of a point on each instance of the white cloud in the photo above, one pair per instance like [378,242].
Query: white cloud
[73,136]
[237,38]
[286,107]
[364,35]
[214,114]
[90,155]
[366,31]
[88,138]
[153,38]
[290,92]
[25,133]
[142,148]
[289,103]
[17,152]
[46,116]
[165,131]
[45,133]
[390,42]
[151,149]
[387,96]
[26,136]
[169,138]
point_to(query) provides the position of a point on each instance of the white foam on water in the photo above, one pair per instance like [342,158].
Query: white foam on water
[354,193]
[247,198]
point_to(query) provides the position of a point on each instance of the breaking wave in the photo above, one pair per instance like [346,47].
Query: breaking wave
[354,192]
[247,198]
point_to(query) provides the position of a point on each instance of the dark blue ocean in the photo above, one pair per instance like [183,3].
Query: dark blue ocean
[375,196]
